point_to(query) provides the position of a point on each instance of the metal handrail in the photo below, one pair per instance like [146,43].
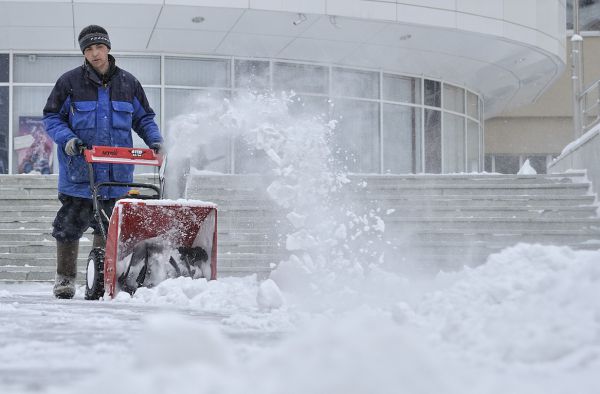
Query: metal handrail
[590,112]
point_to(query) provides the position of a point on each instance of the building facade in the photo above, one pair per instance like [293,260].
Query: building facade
[411,82]
[541,130]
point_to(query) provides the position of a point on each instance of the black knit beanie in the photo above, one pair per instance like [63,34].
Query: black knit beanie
[93,34]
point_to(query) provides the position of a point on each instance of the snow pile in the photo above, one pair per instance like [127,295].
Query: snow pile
[527,169]
[269,296]
[527,321]
[529,304]
[243,304]
[224,296]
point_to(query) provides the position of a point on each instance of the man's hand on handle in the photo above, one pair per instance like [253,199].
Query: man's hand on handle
[74,147]
[156,147]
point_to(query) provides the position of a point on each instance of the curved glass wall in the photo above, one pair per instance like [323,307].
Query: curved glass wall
[386,123]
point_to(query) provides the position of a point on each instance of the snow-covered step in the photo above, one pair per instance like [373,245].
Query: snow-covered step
[509,237]
[495,223]
[465,202]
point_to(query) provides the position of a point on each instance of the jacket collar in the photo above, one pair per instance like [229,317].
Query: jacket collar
[101,79]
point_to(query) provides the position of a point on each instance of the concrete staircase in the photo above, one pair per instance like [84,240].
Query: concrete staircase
[432,221]
[449,221]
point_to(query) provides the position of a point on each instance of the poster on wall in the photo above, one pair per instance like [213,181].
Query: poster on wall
[33,146]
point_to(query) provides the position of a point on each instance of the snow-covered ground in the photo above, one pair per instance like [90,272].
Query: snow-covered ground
[330,319]
[527,321]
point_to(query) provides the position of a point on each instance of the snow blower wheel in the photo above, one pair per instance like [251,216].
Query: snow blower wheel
[94,284]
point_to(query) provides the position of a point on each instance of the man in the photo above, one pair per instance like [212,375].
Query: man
[94,104]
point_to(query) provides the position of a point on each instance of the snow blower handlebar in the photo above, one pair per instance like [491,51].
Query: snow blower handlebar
[117,155]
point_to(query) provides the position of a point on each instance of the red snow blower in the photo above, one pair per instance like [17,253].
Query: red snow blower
[148,239]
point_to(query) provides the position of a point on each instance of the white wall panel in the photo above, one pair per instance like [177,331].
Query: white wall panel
[362,9]
[520,33]
[343,29]
[547,18]
[146,2]
[252,45]
[431,16]
[272,5]
[42,38]
[547,43]
[122,39]
[320,50]
[116,15]
[216,19]
[305,6]
[479,24]
[171,40]
[272,23]
[210,3]
[522,12]
[490,9]
[443,4]
[19,14]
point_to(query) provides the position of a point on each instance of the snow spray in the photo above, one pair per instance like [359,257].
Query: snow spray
[331,236]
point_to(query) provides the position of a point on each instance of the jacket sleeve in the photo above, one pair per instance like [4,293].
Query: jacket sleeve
[143,117]
[56,114]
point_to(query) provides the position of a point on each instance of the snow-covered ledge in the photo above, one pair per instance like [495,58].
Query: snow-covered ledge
[581,154]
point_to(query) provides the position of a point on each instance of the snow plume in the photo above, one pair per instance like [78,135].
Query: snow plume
[330,236]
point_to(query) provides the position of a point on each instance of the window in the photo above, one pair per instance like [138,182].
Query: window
[356,137]
[401,89]
[252,74]
[433,93]
[472,105]
[212,154]
[301,78]
[43,68]
[454,143]
[401,139]
[354,83]
[311,106]
[4,72]
[433,141]
[146,69]
[511,164]
[506,164]
[386,123]
[201,72]
[3,129]
[454,98]
[32,147]
[472,146]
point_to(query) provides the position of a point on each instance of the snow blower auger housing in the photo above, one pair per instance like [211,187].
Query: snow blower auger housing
[148,239]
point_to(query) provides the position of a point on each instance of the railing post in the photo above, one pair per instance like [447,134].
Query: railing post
[577,72]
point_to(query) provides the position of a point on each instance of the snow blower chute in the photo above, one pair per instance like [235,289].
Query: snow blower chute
[148,239]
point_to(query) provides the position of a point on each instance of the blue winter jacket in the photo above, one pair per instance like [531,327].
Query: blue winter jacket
[99,113]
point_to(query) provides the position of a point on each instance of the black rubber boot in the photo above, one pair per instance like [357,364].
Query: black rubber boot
[66,269]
